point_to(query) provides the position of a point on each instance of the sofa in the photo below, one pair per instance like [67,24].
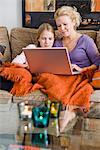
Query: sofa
[21,37]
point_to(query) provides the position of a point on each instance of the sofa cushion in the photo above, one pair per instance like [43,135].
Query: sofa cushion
[91,33]
[4,40]
[98,40]
[95,97]
[21,37]
[37,96]
[6,115]
[5,97]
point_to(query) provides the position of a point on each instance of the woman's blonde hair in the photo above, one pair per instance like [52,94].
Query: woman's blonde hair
[69,11]
[42,27]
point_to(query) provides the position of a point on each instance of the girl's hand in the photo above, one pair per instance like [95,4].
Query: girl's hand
[22,65]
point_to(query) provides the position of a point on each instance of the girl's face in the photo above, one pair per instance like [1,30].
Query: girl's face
[65,25]
[46,39]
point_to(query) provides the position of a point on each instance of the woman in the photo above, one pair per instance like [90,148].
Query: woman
[84,57]
[82,49]
[73,91]
[16,71]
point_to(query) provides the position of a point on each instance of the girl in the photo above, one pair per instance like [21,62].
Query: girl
[45,38]
[14,71]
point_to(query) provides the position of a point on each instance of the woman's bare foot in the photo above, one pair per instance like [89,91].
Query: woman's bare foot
[67,120]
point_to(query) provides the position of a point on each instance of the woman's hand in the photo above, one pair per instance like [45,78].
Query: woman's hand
[86,71]
[76,68]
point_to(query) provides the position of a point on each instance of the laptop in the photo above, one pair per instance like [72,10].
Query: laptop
[52,60]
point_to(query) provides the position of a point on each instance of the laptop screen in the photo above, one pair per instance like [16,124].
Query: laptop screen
[53,60]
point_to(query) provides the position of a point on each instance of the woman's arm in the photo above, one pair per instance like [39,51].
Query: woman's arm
[86,71]
[92,67]
[92,52]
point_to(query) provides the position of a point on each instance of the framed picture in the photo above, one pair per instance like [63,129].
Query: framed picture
[41,6]
[95,5]
[36,12]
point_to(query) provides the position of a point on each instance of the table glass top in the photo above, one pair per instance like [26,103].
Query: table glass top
[18,134]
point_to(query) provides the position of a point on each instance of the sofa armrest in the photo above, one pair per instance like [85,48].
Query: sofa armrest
[21,37]
[4,40]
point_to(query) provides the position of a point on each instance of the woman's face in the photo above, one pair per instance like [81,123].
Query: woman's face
[46,39]
[65,25]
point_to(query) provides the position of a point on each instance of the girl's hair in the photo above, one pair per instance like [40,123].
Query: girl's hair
[45,26]
[69,11]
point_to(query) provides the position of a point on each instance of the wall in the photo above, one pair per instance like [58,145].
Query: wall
[11,13]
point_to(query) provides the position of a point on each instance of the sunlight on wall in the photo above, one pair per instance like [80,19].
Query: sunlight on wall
[11,13]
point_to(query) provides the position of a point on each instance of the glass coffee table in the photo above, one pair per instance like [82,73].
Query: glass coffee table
[17,134]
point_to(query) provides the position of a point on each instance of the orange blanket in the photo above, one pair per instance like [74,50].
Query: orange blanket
[96,80]
[72,90]
[20,76]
